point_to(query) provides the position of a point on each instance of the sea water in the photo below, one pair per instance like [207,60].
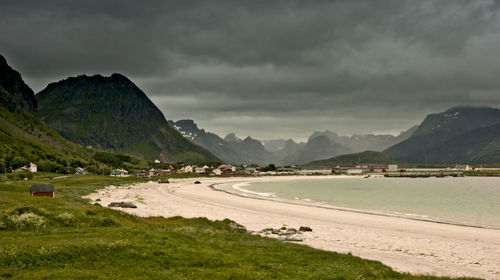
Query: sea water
[473,201]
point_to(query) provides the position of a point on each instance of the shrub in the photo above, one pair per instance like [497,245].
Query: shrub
[51,166]
[28,219]
[92,169]
[22,175]
[66,218]
[18,162]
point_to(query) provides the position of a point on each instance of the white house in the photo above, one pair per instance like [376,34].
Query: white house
[188,168]
[355,171]
[199,169]
[217,171]
[157,161]
[392,168]
[33,168]
[465,167]
[152,172]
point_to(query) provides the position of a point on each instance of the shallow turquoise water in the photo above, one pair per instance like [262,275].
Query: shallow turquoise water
[468,200]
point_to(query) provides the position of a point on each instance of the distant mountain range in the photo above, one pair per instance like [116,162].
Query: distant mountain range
[320,145]
[112,113]
[231,149]
[365,142]
[458,135]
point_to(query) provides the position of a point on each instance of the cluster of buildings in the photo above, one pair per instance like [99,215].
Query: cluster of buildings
[226,169]
[205,169]
[357,169]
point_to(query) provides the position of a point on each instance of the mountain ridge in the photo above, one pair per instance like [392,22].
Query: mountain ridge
[437,131]
[112,113]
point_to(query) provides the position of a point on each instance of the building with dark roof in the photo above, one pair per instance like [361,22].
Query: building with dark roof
[42,190]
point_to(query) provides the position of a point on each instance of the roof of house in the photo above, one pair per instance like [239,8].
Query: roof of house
[42,188]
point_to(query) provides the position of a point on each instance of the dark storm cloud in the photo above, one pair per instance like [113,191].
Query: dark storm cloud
[270,68]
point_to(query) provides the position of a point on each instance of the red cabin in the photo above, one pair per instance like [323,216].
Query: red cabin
[42,190]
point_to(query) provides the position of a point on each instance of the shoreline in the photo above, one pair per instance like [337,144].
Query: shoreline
[346,209]
[406,245]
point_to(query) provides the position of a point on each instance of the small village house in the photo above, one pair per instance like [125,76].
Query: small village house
[32,167]
[163,172]
[465,167]
[152,172]
[392,168]
[354,171]
[188,169]
[226,168]
[217,171]
[157,161]
[42,190]
[202,169]
[80,171]
[143,174]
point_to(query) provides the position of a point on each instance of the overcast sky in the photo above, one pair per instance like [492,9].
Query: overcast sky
[270,69]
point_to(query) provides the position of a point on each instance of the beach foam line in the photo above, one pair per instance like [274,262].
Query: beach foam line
[305,202]
[240,188]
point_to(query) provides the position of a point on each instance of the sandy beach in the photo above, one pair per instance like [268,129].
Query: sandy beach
[406,245]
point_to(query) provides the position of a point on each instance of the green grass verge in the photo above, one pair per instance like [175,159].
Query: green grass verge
[67,238]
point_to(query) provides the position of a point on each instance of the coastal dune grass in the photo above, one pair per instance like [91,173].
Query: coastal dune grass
[67,238]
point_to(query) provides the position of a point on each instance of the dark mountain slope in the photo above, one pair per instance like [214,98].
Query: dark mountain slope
[112,113]
[441,127]
[480,145]
[15,95]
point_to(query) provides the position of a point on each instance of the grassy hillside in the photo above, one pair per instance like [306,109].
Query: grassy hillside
[66,238]
[364,157]
[23,138]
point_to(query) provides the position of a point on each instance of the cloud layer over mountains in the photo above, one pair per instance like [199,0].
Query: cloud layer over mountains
[270,68]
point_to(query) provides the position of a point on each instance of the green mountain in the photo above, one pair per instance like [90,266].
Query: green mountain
[363,157]
[24,138]
[460,134]
[112,113]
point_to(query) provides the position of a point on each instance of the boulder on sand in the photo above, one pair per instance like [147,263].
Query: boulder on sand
[122,204]
[305,228]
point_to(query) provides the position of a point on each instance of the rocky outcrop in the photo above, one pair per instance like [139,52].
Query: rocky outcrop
[15,95]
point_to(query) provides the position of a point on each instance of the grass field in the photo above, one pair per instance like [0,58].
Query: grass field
[67,238]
